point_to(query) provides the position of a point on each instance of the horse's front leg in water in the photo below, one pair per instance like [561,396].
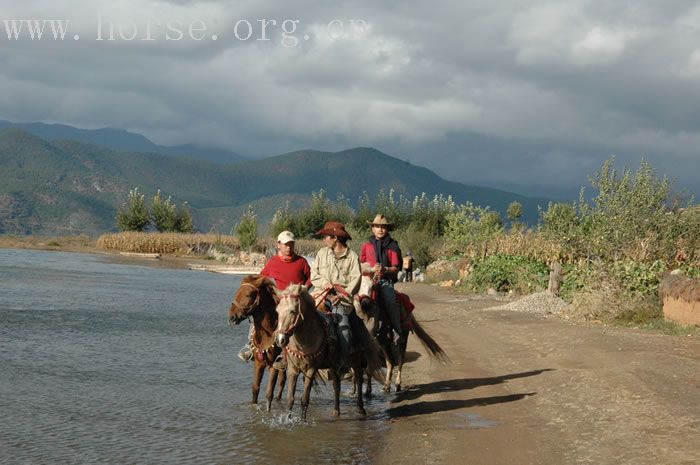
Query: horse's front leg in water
[368,391]
[282,381]
[257,379]
[336,391]
[308,382]
[358,389]
[294,375]
[271,383]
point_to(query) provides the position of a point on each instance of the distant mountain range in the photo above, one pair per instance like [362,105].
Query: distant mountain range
[68,186]
[124,141]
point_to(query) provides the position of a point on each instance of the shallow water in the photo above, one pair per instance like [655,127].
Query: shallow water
[103,362]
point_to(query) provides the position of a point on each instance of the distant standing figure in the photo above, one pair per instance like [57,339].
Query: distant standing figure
[408,266]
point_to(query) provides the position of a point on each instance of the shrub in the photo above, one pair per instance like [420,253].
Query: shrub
[133,215]
[508,272]
[164,213]
[247,229]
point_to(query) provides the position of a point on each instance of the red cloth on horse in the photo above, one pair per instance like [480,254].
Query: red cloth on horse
[407,306]
[296,271]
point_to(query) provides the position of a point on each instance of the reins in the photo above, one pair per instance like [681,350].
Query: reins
[295,324]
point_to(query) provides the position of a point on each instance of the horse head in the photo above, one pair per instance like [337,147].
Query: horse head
[292,309]
[253,292]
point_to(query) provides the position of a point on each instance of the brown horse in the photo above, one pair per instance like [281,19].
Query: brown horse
[310,341]
[378,324]
[257,298]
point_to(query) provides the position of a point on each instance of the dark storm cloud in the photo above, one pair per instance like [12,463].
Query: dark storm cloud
[511,94]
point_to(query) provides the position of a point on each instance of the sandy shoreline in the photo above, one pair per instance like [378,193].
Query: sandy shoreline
[523,388]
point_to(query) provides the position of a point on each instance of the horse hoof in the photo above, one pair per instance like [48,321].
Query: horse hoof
[368,395]
[398,388]
[362,411]
[386,389]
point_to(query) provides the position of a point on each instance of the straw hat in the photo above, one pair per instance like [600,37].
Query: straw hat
[380,220]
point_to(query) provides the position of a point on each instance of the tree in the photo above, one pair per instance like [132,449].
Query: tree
[183,219]
[164,213]
[514,213]
[247,229]
[133,214]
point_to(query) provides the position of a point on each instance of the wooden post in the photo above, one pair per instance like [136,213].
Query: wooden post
[555,278]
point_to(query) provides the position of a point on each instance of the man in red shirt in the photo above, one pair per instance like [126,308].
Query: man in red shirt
[285,268]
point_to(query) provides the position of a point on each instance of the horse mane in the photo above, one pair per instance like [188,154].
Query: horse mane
[302,292]
[263,283]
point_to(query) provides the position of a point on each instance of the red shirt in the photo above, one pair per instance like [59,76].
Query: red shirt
[296,271]
[368,255]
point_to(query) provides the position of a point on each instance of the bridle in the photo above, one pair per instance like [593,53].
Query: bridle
[298,319]
[246,311]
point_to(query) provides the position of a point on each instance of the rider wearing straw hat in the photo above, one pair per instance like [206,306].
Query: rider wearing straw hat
[383,255]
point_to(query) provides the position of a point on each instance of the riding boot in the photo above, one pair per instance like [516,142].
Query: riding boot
[246,352]
[280,362]
[344,338]
[391,305]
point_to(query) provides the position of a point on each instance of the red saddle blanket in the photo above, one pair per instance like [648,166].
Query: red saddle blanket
[406,309]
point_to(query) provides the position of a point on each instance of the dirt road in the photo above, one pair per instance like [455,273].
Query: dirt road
[525,389]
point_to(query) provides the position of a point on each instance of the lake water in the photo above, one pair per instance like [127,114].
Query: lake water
[107,362]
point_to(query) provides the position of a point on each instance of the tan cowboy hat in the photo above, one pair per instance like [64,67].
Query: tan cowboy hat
[333,228]
[381,220]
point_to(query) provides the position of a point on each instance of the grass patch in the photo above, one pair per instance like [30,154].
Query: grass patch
[663,326]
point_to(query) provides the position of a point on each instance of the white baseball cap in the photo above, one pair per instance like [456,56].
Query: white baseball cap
[285,236]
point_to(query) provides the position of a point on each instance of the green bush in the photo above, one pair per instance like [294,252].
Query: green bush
[508,272]
[247,229]
[164,213]
[133,215]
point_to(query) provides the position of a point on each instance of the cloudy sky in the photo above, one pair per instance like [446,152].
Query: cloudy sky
[529,95]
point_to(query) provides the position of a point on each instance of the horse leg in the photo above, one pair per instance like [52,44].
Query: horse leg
[389,372]
[336,391]
[402,344]
[291,388]
[271,383]
[358,387]
[368,391]
[354,375]
[257,379]
[282,381]
[308,382]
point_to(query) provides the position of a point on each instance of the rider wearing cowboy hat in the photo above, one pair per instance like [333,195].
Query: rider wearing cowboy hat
[336,270]
[383,255]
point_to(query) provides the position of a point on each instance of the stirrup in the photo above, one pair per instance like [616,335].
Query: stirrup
[245,354]
[280,363]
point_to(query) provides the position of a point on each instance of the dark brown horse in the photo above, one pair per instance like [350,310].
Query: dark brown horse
[257,298]
[309,339]
[378,324]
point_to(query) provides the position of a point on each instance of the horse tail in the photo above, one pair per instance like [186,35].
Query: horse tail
[428,342]
[372,351]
